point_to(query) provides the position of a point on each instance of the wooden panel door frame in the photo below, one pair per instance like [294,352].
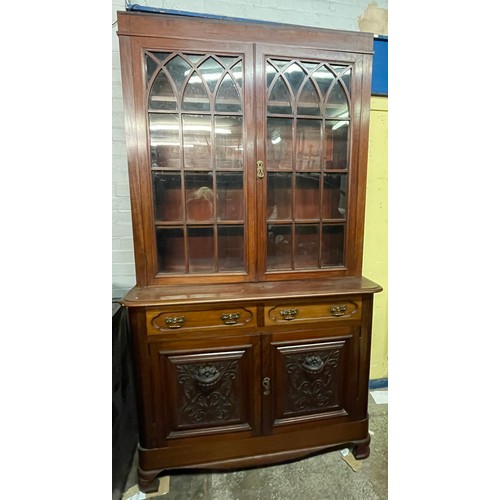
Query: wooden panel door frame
[360,85]
[244,350]
[345,339]
[133,70]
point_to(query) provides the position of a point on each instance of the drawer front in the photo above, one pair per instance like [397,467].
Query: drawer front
[161,320]
[334,310]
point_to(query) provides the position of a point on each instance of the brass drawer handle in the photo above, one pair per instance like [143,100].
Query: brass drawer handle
[289,314]
[230,318]
[266,385]
[174,321]
[338,310]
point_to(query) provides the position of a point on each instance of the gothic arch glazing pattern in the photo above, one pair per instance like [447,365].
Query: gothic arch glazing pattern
[308,115]
[196,132]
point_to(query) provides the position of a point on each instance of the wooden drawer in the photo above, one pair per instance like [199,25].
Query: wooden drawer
[172,320]
[333,310]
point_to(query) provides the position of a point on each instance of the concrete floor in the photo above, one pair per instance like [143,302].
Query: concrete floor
[322,477]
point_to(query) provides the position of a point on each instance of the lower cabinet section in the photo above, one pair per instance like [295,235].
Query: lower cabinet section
[251,393]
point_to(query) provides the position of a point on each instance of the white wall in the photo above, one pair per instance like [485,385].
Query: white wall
[352,15]
[123,248]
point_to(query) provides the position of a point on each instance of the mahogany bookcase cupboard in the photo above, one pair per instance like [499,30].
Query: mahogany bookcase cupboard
[250,320]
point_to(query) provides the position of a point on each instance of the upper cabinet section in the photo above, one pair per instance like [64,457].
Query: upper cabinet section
[247,150]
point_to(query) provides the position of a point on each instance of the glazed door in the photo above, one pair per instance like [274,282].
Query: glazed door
[308,110]
[206,387]
[195,145]
[310,377]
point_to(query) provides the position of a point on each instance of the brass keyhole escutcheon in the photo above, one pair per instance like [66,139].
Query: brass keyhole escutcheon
[266,385]
[260,169]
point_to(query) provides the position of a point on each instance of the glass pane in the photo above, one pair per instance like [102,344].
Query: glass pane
[307,196]
[324,78]
[211,71]
[227,99]
[164,139]
[231,248]
[308,100]
[237,74]
[336,103]
[279,243]
[332,250]
[310,66]
[295,76]
[279,145]
[279,99]
[161,56]
[194,58]
[270,74]
[279,196]
[228,61]
[334,196]
[197,141]
[279,64]
[178,69]
[167,196]
[201,249]
[199,196]
[195,95]
[229,142]
[170,247]
[306,246]
[151,66]
[308,152]
[346,78]
[230,199]
[336,144]
[162,95]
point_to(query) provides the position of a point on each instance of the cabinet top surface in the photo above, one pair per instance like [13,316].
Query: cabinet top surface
[237,292]
[155,24]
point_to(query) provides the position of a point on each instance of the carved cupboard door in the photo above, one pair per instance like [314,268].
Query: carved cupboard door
[310,377]
[206,386]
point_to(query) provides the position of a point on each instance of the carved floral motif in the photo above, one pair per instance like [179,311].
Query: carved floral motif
[209,394]
[311,380]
